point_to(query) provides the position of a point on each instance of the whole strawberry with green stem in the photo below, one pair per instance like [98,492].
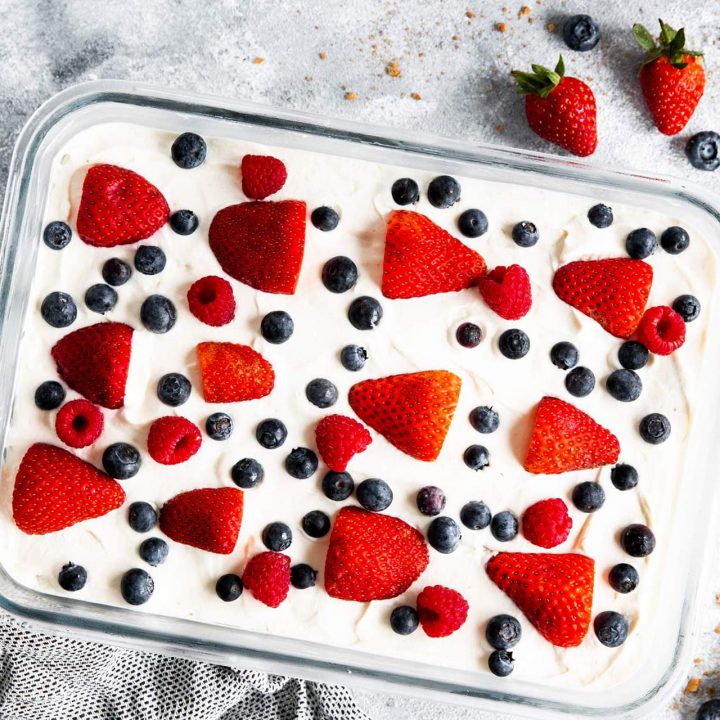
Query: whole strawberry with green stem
[559,108]
[672,78]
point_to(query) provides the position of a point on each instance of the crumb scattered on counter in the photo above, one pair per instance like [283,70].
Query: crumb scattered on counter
[470,14]
[551,27]
[258,60]
[308,77]
[500,27]
[322,55]
[455,37]
[500,128]
[393,68]
[416,96]
[693,685]
[697,661]
[524,10]
[350,95]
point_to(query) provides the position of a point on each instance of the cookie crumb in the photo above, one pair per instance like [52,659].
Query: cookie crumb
[697,661]
[500,27]
[470,14]
[323,55]
[308,77]
[350,95]
[551,27]
[258,60]
[455,37]
[500,128]
[416,96]
[693,685]
[392,68]
[717,629]
[524,10]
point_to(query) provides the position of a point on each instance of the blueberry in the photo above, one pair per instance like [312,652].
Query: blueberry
[655,428]
[337,486]
[316,524]
[301,463]
[444,534]
[277,327]
[158,314]
[49,395]
[469,335]
[247,473]
[324,218]
[365,313]
[564,355]
[277,536]
[72,577]
[623,578]
[477,457]
[219,426]
[184,222]
[473,223]
[633,355]
[525,234]
[302,576]
[339,274]
[57,235]
[687,306]
[154,551]
[443,191]
[611,628]
[640,243]
[624,477]
[703,150]
[229,587]
[404,620]
[580,381]
[624,385]
[116,272]
[504,526]
[58,309]
[503,632]
[100,298]
[121,461]
[136,586]
[501,663]
[142,517]
[588,496]
[188,151]
[405,191]
[484,419]
[430,500]
[709,710]
[173,389]
[581,33]
[321,392]
[601,216]
[674,240]
[374,494]
[150,260]
[353,357]
[514,344]
[271,433]
[475,515]
[638,540]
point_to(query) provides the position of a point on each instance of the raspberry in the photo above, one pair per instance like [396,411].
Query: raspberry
[267,577]
[173,440]
[262,175]
[338,438]
[507,291]
[546,523]
[79,423]
[211,300]
[442,610]
[661,330]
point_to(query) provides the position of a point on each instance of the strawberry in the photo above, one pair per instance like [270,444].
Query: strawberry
[423,259]
[547,523]
[94,361]
[211,300]
[565,438]
[554,591]
[267,577]
[119,207]
[173,440]
[262,175]
[233,373]
[661,330]
[672,78]
[79,423]
[442,610]
[372,556]
[208,519]
[559,108]
[507,291]
[613,292]
[412,411]
[54,490]
[261,244]
[338,438]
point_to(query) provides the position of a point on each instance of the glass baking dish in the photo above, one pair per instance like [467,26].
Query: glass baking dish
[106,101]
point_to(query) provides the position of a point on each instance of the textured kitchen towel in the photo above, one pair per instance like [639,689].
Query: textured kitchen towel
[43,677]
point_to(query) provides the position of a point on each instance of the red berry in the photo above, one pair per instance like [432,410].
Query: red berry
[661,330]
[507,291]
[173,440]
[338,439]
[442,610]
[233,373]
[79,423]
[267,577]
[211,300]
[547,523]
[262,175]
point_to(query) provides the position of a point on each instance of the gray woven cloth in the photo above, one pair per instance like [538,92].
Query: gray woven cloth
[43,677]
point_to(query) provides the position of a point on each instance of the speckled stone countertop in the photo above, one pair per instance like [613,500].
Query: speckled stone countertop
[450,77]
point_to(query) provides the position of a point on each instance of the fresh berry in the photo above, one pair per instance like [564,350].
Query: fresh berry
[601,216]
[58,309]
[443,191]
[623,578]
[703,150]
[154,551]
[507,291]
[469,335]
[372,556]
[303,576]
[675,240]
[640,243]
[158,314]
[687,307]
[271,433]
[142,517]
[472,223]
[637,540]
[339,274]
[173,440]
[219,426]
[261,244]
[546,523]
[504,526]
[136,586]
[277,536]
[229,587]
[611,628]
[477,457]
[119,207]
[338,486]
[430,500]
[208,518]
[365,313]
[624,477]
[624,385]
[247,473]
[633,355]
[211,300]
[353,357]
[484,419]
[184,222]
[514,344]
[580,381]
[503,632]
[262,175]
[316,524]
[588,497]
[405,191]
[121,461]
[475,515]
[404,620]
[277,327]
[501,663]
[321,393]
[525,234]
[655,428]
[79,423]
[116,272]
[423,259]
[72,577]
[49,395]
[374,494]
[188,151]
[57,235]
[173,389]
[564,355]
[301,463]
[233,373]
[54,489]
[338,439]
[661,330]
[442,610]
[709,710]
[324,218]
[581,33]
[267,577]
[150,260]
[444,534]
[412,411]
[100,298]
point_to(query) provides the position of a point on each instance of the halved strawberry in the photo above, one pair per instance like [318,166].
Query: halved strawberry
[423,259]
[119,207]
[613,292]
[507,291]
[54,490]
[94,361]
[338,439]
[261,243]
[262,175]
[413,411]
[565,438]
[554,591]
[372,556]
[208,519]
[233,373]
